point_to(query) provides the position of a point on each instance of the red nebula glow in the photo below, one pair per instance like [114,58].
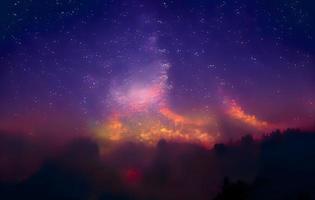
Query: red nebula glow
[132,176]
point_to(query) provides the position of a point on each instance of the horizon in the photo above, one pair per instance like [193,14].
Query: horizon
[135,99]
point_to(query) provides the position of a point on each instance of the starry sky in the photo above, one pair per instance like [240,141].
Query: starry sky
[144,70]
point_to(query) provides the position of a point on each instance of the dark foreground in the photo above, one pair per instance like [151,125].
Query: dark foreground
[280,166]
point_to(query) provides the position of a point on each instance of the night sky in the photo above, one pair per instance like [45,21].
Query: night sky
[197,71]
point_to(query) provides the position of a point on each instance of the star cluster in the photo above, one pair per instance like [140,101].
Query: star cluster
[190,70]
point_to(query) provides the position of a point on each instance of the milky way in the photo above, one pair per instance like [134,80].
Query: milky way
[144,86]
[196,71]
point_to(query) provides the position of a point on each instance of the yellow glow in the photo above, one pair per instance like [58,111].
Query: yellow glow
[165,124]
[112,130]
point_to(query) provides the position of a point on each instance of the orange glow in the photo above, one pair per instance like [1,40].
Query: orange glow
[179,119]
[236,112]
[114,130]
[172,116]
[149,128]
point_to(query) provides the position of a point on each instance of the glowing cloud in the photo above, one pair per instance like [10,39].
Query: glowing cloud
[149,128]
[137,98]
[141,93]
[141,112]
[179,119]
[235,111]
[113,128]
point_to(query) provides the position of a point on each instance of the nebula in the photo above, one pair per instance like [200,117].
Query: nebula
[236,112]
[157,99]
[143,71]
[140,109]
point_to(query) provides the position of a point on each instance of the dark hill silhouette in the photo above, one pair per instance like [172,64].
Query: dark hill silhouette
[279,166]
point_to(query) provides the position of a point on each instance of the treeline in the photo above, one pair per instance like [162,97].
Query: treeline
[279,166]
